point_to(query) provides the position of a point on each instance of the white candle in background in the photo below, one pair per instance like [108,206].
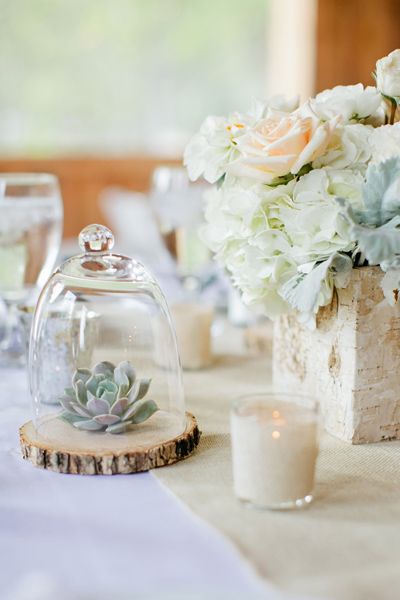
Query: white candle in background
[274,451]
[193,331]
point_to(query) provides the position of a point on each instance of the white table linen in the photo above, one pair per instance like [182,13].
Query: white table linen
[73,537]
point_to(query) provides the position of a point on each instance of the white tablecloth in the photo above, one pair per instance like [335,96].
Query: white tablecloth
[72,537]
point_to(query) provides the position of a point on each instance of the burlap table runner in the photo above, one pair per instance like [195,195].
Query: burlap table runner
[345,546]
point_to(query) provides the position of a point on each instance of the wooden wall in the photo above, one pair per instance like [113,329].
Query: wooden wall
[83,179]
[351,36]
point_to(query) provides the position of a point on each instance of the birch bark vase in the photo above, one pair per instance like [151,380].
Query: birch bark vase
[351,361]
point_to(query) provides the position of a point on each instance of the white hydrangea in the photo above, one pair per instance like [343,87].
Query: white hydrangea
[385,142]
[244,231]
[210,151]
[350,146]
[312,223]
[295,180]
[351,102]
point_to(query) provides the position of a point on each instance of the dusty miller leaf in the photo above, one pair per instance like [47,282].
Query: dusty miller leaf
[381,193]
[305,291]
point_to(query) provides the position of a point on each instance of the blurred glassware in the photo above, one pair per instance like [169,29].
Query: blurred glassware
[30,236]
[178,204]
[193,322]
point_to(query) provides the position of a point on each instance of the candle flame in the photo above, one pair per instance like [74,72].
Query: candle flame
[276,414]
[276,435]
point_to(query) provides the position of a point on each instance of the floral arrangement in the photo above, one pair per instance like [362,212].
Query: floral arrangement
[109,398]
[305,193]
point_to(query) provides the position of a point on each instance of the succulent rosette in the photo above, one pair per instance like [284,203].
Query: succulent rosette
[294,183]
[107,398]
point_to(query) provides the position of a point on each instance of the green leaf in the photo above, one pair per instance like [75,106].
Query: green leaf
[81,375]
[67,403]
[117,428]
[88,425]
[108,390]
[71,418]
[80,392]
[104,368]
[94,382]
[125,374]
[381,243]
[381,193]
[139,390]
[140,411]
[306,292]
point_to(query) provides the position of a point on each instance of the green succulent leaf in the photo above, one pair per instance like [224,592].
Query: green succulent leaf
[80,392]
[98,400]
[127,369]
[122,381]
[81,375]
[94,382]
[117,428]
[67,403]
[107,385]
[120,406]
[71,418]
[104,368]
[140,411]
[106,419]
[80,410]
[139,390]
[97,406]
[89,425]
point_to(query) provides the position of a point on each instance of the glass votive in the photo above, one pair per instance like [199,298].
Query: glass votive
[193,323]
[274,449]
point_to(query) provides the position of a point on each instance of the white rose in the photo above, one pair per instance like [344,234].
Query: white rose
[385,142]
[352,102]
[280,144]
[388,74]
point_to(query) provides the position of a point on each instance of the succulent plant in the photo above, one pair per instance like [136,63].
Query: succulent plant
[108,398]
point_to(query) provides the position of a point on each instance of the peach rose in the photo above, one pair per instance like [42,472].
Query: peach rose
[281,144]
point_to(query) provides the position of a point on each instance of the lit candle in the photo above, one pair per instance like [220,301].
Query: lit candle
[193,331]
[274,450]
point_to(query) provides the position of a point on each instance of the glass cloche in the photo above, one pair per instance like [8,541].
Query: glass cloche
[104,365]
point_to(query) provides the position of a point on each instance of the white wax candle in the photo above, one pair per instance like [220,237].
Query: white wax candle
[274,451]
[193,331]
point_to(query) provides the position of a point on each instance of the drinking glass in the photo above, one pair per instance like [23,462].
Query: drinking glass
[178,204]
[31,216]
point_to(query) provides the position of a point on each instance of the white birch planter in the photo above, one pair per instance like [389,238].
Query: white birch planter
[351,361]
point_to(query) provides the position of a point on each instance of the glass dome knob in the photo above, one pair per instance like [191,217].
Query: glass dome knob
[96,238]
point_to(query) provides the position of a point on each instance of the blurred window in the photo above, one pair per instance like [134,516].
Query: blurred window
[105,76]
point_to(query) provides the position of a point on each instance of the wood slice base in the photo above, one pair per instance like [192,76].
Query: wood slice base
[46,453]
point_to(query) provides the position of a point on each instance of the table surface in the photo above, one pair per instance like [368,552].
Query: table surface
[70,537]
